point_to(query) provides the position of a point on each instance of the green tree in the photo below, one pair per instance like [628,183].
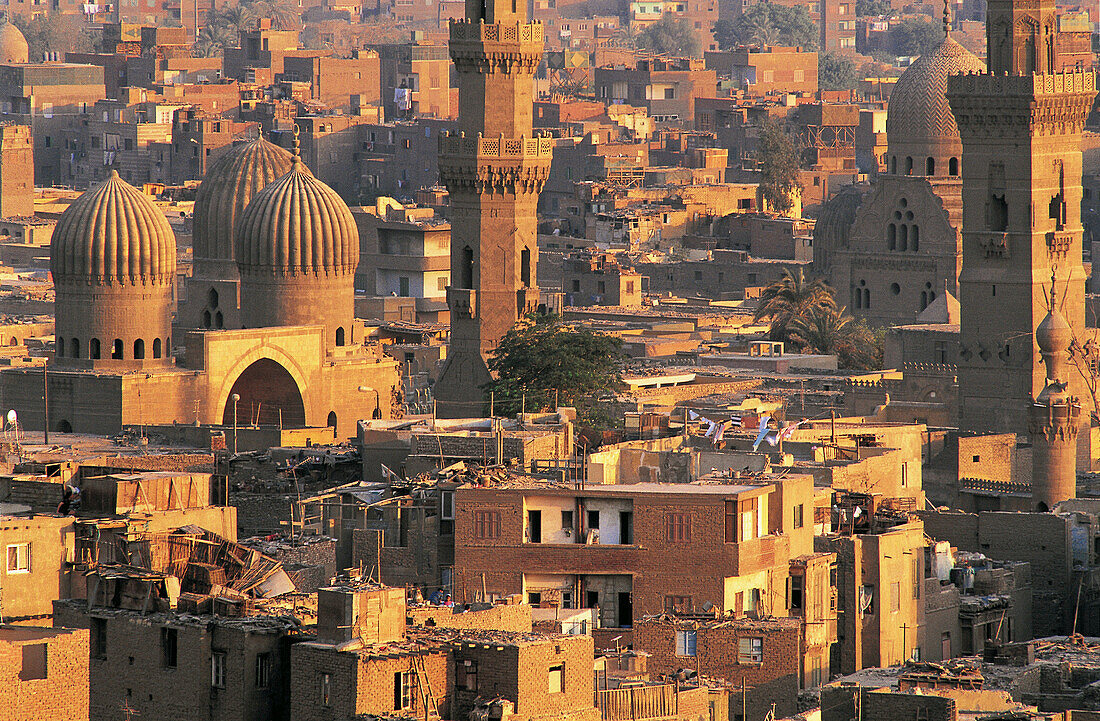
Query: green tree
[766,23]
[915,37]
[861,347]
[56,32]
[836,72]
[778,159]
[831,331]
[284,14]
[670,36]
[791,298]
[213,39]
[872,7]
[542,359]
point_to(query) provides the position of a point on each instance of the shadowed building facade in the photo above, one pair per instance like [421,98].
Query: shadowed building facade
[494,170]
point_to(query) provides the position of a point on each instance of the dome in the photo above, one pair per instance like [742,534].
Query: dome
[229,185]
[1054,334]
[919,121]
[297,225]
[13,46]
[113,234]
[834,223]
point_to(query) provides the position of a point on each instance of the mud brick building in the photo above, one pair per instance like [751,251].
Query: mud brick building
[34,571]
[43,674]
[762,653]
[634,550]
[183,666]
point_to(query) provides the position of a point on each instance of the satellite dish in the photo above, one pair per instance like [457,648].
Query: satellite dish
[12,417]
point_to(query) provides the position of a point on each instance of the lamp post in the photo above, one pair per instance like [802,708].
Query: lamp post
[377,400]
[235,398]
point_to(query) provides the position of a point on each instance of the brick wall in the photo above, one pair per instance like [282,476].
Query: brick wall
[775,680]
[62,695]
[500,617]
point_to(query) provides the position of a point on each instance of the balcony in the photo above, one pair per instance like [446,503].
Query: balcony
[759,554]
[462,301]
[499,147]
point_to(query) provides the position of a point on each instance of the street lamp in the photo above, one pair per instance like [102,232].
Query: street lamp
[377,400]
[235,398]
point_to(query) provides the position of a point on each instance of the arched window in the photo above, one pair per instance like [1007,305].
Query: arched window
[908,165]
[60,353]
[331,422]
[75,350]
[923,299]
[116,349]
[139,349]
[14,341]
[219,321]
[866,298]
[340,336]
[914,237]
[525,267]
[466,272]
[903,237]
[156,348]
[64,426]
[93,349]
[953,166]
[206,319]
[930,167]
[212,298]
[857,297]
[892,236]
[894,165]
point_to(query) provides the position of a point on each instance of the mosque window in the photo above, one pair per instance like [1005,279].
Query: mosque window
[930,167]
[525,266]
[340,336]
[866,298]
[923,299]
[908,166]
[60,347]
[219,321]
[914,237]
[953,166]
[75,349]
[903,237]
[894,165]
[93,349]
[156,348]
[467,267]
[212,298]
[116,349]
[206,319]
[892,236]
[139,349]
[895,289]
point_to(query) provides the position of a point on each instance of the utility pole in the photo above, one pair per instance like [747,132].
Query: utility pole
[45,406]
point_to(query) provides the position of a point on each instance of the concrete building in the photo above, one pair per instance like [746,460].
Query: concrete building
[16,171]
[404,251]
[600,280]
[415,80]
[665,87]
[764,70]
[333,81]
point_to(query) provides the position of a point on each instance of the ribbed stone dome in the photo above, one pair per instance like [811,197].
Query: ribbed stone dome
[226,190]
[919,122]
[13,46]
[834,223]
[113,234]
[297,225]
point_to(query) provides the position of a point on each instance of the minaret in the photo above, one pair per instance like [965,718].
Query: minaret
[1020,124]
[1055,416]
[494,169]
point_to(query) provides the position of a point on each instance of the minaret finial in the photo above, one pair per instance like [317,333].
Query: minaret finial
[1053,277]
[296,147]
[946,19]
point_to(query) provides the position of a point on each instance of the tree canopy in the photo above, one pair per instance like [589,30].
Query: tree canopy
[779,165]
[836,72]
[223,25]
[543,360]
[873,7]
[56,32]
[670,36]
[766,23]
[915,37]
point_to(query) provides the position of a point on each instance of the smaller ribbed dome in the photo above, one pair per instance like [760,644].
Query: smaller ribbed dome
[833,228]
[297,225]
[226,190]
[13,46]
[113,234]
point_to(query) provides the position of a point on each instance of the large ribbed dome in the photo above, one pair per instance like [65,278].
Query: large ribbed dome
[13,46]
[227,189]
[918,112]
[113,234]
[297,225]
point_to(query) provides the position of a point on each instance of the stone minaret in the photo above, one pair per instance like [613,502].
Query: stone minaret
[1020,124]
[494,169]
[1055,416]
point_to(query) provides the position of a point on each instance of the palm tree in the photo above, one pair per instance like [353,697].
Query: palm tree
[284,14]
[822,330]
[238,18]
[213,39]
[791,297]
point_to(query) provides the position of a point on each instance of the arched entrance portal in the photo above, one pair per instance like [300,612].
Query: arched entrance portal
[269,396]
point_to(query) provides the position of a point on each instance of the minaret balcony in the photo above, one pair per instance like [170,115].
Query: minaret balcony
[994,244]
[460,146]
[1059,242]
[481,32]
[527,300]
[462,301]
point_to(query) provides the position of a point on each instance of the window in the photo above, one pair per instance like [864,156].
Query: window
[34,662]
[442,283]
[794,593]
[99,638]
[918,572]
[567,520]
[731,521]
[19,558]
[217,669]
[895,596]
[534,526]
[750,650]
[447,505]
[799,515]
[685,643]
[403,286]
[168,648]
[556,679]
[403,690]
[263,670]
[678,526]
[326,689]
[486,524]
[466,675]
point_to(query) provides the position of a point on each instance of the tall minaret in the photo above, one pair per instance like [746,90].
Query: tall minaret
[1055,416]
[1020,124]
[494,169]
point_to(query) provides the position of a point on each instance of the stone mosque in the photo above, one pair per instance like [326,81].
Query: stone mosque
[269,316]
[891,251]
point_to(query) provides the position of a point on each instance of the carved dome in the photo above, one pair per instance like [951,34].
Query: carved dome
[13,46]
[919,123]
[113,235]
[297,225]
[834,222]
[226,190]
